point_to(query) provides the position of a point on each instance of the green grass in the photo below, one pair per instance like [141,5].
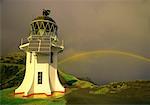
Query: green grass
[8,98]
[11,74]
[133,92]
[75,82]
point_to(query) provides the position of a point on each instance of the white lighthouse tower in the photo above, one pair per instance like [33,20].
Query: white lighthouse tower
[42,48]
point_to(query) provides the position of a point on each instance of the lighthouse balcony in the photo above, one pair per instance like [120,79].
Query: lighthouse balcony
[41,44]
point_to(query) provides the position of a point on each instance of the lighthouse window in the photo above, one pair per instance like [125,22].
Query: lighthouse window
[31,57]
[35,25]
[42,27]
[39,77]
[47,26]
[52,57]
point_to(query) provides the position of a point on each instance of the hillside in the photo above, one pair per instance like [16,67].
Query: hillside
[133,92]
[77,91]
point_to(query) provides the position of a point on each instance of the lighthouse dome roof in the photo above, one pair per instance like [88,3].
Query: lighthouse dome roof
[43,25]
[44,18]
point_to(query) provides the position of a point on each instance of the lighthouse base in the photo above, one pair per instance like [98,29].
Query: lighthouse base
[40,77]
[40,95]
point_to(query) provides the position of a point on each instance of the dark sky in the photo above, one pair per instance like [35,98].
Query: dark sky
[84,25]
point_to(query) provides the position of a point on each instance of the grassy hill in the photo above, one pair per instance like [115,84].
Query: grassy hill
[133,92]
[78,91]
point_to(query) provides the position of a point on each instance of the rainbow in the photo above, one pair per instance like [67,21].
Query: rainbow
[99,52]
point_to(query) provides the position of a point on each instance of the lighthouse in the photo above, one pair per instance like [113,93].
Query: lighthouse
[42,48]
